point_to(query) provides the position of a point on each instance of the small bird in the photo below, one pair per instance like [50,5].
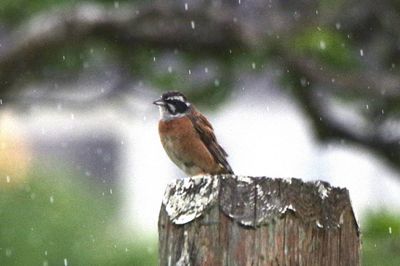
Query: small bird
[188,137]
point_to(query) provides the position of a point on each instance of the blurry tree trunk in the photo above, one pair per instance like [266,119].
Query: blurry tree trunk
[230,220]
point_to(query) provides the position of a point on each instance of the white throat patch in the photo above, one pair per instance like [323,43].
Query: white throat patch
[165,115]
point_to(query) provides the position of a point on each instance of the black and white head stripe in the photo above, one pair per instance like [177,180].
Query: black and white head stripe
[174,95]
[175,102]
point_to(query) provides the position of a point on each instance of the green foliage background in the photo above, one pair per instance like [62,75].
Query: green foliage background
[57,216]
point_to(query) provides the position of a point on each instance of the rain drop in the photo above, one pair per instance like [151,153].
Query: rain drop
[303,82]
[193,24]
[322,45]
[186,6]
[361,52]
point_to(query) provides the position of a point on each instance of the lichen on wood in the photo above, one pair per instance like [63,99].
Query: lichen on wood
[241,220]
[253,201]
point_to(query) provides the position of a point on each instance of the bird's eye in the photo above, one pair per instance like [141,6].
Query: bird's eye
[181,107]
[177,107]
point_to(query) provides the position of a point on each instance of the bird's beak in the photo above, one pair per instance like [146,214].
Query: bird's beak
[159,102]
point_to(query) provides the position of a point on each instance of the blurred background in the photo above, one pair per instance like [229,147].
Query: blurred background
[306,89]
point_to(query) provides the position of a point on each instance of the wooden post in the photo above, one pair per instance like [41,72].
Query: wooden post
[238,220]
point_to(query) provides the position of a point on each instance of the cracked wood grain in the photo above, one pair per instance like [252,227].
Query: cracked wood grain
[240,220]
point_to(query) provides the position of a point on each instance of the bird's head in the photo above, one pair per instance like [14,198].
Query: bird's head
[172,104]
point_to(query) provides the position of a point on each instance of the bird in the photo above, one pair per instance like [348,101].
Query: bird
[188,137]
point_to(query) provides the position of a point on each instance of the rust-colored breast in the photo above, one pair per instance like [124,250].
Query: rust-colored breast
[185,148]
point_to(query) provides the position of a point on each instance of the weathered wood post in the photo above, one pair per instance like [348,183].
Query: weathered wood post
[236,220]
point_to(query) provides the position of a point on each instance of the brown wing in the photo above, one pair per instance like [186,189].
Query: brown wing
[206,132]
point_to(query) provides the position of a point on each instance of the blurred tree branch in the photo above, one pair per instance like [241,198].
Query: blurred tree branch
[216,27]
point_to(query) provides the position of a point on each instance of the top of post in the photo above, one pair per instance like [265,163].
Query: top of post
[254,201]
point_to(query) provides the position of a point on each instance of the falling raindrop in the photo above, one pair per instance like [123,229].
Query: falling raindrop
[253,65]
[361,52]
[65,262]
[186,6]
[322,45]
[193,24]
[303,82]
